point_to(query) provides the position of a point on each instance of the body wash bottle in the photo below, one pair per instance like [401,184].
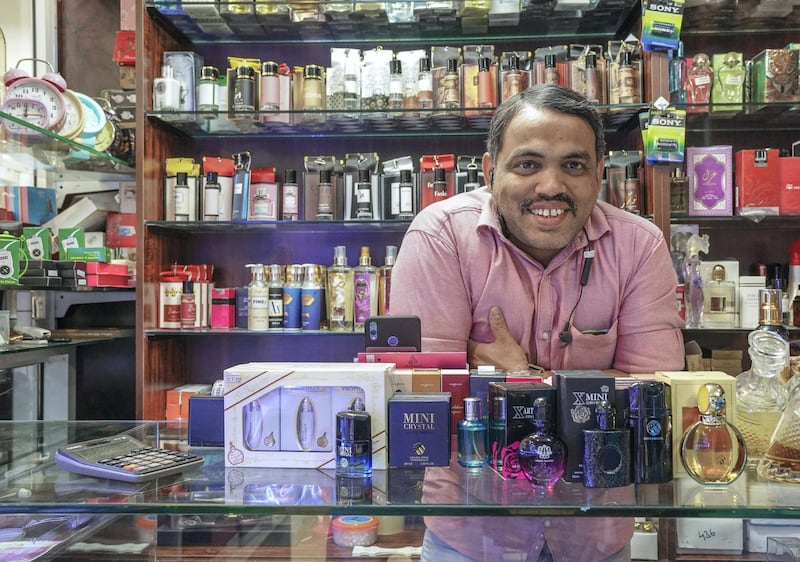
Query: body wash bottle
[340,292]
[365,285]
[275,296]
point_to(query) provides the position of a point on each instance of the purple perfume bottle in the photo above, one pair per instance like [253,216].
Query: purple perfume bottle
[542,455]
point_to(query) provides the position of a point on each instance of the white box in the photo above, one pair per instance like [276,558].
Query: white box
[748,305]
[300,432]
[757,531]
[644,545]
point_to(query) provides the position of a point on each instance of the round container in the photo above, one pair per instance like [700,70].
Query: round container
[355,530]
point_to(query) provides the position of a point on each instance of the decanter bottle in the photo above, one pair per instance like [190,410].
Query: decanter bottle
[781,461]
[542,455]
[712,449]
[760,395]
[693,279]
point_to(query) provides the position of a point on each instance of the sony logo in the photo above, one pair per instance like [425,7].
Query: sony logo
[667,122]
[654,7]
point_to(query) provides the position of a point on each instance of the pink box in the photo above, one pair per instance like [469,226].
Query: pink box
[417,359]
[223,308]
[757,178]
[789,185]
[710,171]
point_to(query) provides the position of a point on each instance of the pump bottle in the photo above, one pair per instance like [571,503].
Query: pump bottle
[257,299]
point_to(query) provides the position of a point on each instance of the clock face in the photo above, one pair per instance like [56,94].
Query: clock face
[32,111]
[104,138]
[74,116]
[37,89]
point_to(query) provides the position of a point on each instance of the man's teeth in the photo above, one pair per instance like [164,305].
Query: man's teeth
[547,212]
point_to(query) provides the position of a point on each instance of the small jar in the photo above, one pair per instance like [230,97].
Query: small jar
[355,530]
[313,87]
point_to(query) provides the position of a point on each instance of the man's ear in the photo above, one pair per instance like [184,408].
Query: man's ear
[488,169]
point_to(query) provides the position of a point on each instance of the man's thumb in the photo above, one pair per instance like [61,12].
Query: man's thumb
[498,324]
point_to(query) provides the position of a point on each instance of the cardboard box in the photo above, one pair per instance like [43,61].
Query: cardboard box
[178,400]
[774,76]
[419,429]
[261,397]
[28,204]
[756,532]
[789,185]
[710,172]
[417,359]
[121,230]
[37,243]
[186,67]
[223,307]
[757,182]
[683,389]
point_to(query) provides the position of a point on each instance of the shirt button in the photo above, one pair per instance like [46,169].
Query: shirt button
[547,523]
[545,336]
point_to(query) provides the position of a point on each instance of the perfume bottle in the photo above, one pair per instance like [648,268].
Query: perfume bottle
[781,461]
[211,194]
[354,441]
[472,435]
[550,70]
[325,196]
[606,452]
[770,312]
[699,79]
[498,431]
[180,194]
[628,75]
[291,297]
[290,194]
[385,281]
[257,299]
[166,91]
[270,87]
[719,310]
[406,196]
[395,84]
[311,299]
[650,422]
[542,455]
[313,88]
[188,306]
[677,76]
[678,193]
[712,449]
[486,89]
[365,289]
[632,190]
[263,205]
[425,84]
[363,193]
[760,394]
[592,77]
[275,297]
[730,76]
[436,190]
[452,86]
[472,180]
[512,80]
[207,99]
[693,280]
[340,292]
[244,90]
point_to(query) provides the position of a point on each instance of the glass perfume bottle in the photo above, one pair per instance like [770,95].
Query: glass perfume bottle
[699,79]
[632,189]
[395,84]
[678,193]
[325,196]
[693,280]
[712,449]
[365,289]
[592,77]
[472,182]
[354,441]
[770,312]
[730,77]
[629,79]
[720,300]
[385,281]
[512,79]
[290,193]
[550,70]
[542,455]
[650,421]
[472,435]
[363,193]
[607,451]
[486,89]
[340,292]
[452,85]
[406,196]
[781,461]
[677,76]
[180,195]
[760,395]
[425,84]
[498,430]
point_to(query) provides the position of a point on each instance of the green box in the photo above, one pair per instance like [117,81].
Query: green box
[37,242]
[68,239]
[88,254]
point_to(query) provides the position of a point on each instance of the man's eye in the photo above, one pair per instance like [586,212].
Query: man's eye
[574,166]
[527,165]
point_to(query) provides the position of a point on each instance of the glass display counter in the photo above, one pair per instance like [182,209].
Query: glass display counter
[214,512]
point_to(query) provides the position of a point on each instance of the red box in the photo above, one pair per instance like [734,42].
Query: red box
[121,230]
[223,308]
[757,178]
[106,280]
[102,268]
[417,359]
[125,47]
[789,186]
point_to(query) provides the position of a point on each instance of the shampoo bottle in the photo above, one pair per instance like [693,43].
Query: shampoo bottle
[257,299]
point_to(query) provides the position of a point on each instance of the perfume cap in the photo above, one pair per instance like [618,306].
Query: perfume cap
[290,176]
[718,273]
[549,61]
[711,399]
[591,60]
[181,178]
[625,58]
[212,177]
[632,172]
[363,176]
[542,411]
[209,73]
[340,255]
[649,399]
[472,408]
[499,408]
[484,64]
[439,174]
[513,62]
[269,68]
[364,258]
[405,176]
[354,425]
[606,415]
[472,175]
[294,273]
[324,176]
[275,273]
[424,64]
[391,255]
[313,71]
[395,67]
[188,287]
[452,65]
[246,72]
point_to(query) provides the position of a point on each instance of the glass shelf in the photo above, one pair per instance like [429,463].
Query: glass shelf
[723,17]
[738,222]
[32,346]
[356,124]
[267,22]
[49,152]
[194,332]
[302,227]
[448,491]
[701,118]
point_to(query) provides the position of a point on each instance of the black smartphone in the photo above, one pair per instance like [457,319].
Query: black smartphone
[392,333]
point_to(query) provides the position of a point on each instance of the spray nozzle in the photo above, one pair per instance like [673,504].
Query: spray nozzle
[257,270]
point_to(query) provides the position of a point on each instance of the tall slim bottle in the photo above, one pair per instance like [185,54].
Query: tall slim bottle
[340,292]
[425,84]
[325,196]
[290,193]
[550,70]
[472,435]
[275,296]
[592,75]
[385,280]
[406,196]
[291,297]
[365,286]
[312,297]
[257,299]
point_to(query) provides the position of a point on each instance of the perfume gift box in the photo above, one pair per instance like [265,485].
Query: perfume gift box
[710,173]
[284,414]
[577,393]
[789,185]
[773,76]
[758,182]
[511,420]
[419,429]
[684,386]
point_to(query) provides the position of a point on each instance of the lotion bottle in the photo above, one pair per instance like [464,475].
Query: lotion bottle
[275,297]
[365,284]
[257,299]
[340,292]
[385,280]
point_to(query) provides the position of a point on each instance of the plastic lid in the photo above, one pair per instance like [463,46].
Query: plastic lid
[181,178]
[363,176]
[188,287]
[340,255]
[452,65]
[424,64]
[439,175]
[212,177]
[290,176]
[591,60]
[405,176]
[632,171]
[472,175]
[354,522]
[324,176]
[484,64]
[549,61]
[391,254]
[395,67]
[472,408]
[513,62]
[625,58]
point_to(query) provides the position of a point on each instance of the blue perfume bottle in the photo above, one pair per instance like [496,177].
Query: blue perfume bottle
[354,441]
[472,435]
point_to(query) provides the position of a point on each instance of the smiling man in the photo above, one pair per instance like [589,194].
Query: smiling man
[533,269]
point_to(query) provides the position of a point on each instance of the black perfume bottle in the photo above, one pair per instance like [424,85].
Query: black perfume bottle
[650,422]
[607,451]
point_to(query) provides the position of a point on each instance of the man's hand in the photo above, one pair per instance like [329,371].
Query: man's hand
[504,353]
